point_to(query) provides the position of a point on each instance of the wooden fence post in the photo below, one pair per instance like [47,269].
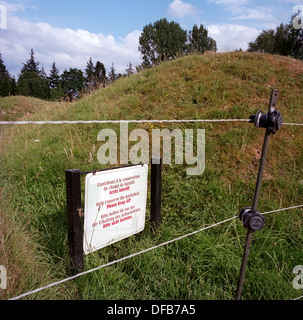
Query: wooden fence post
[75,225]
[156,189]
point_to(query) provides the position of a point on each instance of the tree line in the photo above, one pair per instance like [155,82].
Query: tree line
[165,40]
[33,81]
[285,40]
[158,42]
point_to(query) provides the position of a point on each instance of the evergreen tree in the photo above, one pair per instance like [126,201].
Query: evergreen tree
[32,81]
[45,87]
[112,75]
[42,73]
[54,77]
[29,84]
[56,92]
[89,71]
[91,82]
[129,70]
[5,80]
[296,39]
[13,86]
[31,65]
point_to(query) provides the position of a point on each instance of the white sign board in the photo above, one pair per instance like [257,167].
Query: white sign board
[115,206]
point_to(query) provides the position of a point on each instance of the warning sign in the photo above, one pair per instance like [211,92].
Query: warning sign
[115,206]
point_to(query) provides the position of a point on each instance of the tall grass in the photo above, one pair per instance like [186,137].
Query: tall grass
[206,265]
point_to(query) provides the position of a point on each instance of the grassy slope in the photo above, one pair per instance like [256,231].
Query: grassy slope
[205,266]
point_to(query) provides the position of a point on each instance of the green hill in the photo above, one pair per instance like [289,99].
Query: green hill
[33,224]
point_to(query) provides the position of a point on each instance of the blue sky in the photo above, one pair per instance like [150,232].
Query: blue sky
[70,32]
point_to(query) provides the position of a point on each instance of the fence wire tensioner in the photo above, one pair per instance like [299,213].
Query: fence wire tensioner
[252,220]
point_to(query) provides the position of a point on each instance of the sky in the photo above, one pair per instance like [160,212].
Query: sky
[70,32]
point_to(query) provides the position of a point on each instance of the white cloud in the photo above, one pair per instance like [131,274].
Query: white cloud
[289,1]
[245,11]
[259,13]
[229,2]
[13,7]
[180,9]
[67,47]
[230,37]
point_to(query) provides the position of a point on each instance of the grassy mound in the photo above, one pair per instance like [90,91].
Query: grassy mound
[205,266]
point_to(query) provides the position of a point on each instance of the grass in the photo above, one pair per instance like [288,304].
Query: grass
[202,267]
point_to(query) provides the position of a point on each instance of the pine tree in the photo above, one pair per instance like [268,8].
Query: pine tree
[112,75]
[13,86]
[56,92]
[129,70]
[32,81]
[42,73]
[5,80]
[89,71]
[54,77]
[31,65]
[90,77]
[45,87]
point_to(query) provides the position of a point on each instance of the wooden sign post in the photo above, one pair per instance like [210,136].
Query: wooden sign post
[75,225]
[115,205]
[156,189]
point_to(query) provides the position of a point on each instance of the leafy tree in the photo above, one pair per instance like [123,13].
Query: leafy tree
[296,39]
[161,41]
[265,42]
[100,72]
[199,41]
[72,81]
[284,40]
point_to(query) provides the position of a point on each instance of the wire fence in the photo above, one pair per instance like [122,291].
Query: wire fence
[129,121]
[142,252]
[159,245]
[118,121]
